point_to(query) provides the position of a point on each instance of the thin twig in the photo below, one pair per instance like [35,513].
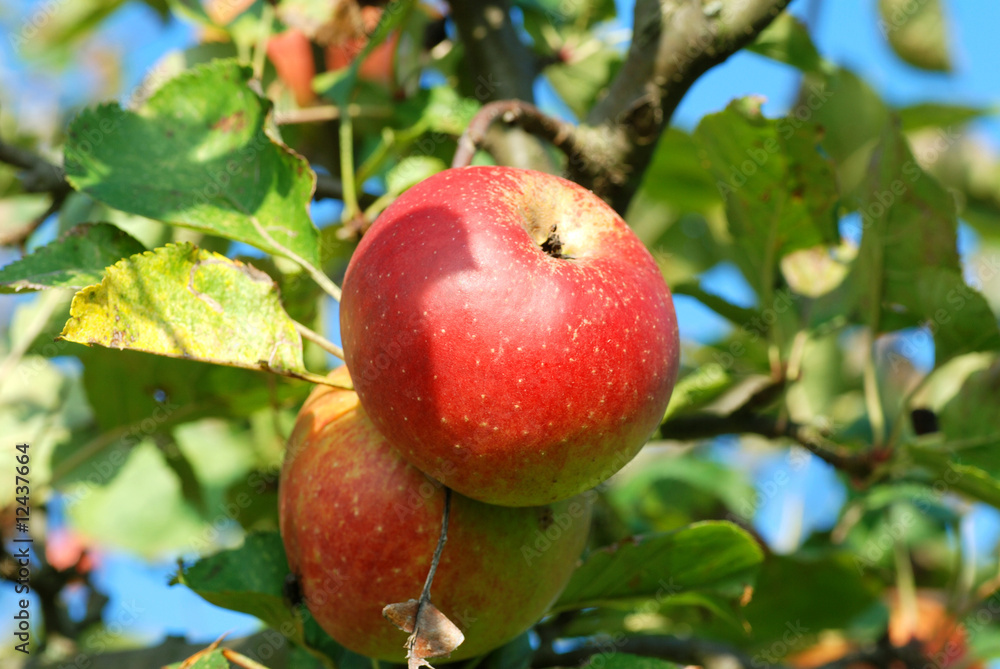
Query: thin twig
[707,425]
[38,176]
[522,114]
[717,655]
[425,594]
[321,279]
[323,113]
[320,340]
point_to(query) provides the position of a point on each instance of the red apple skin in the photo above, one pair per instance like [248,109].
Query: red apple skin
[515,377]
[360,526]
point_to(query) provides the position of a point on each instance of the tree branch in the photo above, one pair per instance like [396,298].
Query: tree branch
[708,425]
[503,68]
[715,655]
[527,116]
[38,175]
[674,42]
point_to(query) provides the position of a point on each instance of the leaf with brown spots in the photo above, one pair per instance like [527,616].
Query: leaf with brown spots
[184,302]
[763,167]
[197,154]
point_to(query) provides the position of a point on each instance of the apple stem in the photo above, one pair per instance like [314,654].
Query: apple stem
[425,595]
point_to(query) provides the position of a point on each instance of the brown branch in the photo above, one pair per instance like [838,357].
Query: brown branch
[524,115]
[674,42]
[502,67]
[37,175]
[716,655]
[708,425]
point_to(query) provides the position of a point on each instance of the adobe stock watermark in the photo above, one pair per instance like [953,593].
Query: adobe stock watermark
[876,547]
[107,637]
[900,16]
[553,526]
[34,23]
[787,126]
[768,489]
[957,299]
[774,654]
[101,470]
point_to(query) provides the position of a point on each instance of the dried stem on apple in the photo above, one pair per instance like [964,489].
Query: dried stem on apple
[432,634]
[425,594]
[524,115]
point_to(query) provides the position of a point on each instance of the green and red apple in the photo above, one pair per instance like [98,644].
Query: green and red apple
[509,334]
[360,526]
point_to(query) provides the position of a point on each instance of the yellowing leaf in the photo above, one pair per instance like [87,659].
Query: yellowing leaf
[184,302]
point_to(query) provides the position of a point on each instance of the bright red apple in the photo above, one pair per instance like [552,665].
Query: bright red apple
[360,526]
[509,334]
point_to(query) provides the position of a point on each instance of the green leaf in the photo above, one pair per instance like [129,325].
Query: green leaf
[212,660]
[669,492]
[75,260]
[140,395]
[57,33]
[698,388]
[249,579]
[183,302]
[907,272]
[583,80]
[197,155]
[967,457]
[677,177]
[945,462]
[733,313]
[627,661]
[917,32]
[787,40]
[412,170]
[559,12]
[115,511]
[714,556]
[852,116]
[806,595]
[779,191]
[514,654]
[936,115]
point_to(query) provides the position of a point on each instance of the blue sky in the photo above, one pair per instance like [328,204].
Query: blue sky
[846,33]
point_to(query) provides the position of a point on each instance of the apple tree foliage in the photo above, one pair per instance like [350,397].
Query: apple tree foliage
[165,343]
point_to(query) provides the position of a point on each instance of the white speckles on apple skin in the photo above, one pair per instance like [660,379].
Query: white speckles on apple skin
[493,283]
